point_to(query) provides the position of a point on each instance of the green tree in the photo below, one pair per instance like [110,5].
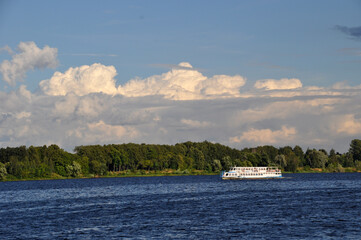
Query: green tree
[216,165]
[285,150]
[98,168]
[265,160]
[15,167]
[358,165]
[268,154]
[84,164]
[145,165]
[116,157]
[280,160]
[332,157]
[199,160]
[316,159]
[355,149]
[73,170]
[292,162]
[42,170]
[226,163]
[335,167]
[3,171]
[254,158]
[300,154]
[181,162]
[347,160]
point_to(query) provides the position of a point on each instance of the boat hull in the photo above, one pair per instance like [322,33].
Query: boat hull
[247,178]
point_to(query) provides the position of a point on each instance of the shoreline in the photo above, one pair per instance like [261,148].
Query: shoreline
[124,174]
[114,175]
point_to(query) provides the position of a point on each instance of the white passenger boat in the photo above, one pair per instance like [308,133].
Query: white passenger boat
[252,173]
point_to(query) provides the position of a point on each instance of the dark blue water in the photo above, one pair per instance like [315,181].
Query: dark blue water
[300,206]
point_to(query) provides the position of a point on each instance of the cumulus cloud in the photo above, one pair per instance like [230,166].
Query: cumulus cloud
[266,136]
[184,83]
[282,84]
[180,83]
[29,57]
[222,85]
[81,81]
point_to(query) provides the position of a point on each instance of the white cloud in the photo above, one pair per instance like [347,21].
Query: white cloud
[81,81]
[96,132]
[195,123]
[24,92]
[180,83]
[66,106]
[223,84]
[348,125]
[282,84]
[106,130]
[285,109]
[266,136]
[184,83]
[343,85]
[90,106]
[29,57]
[22,115]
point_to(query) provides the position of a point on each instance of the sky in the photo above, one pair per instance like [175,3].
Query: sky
[239,73]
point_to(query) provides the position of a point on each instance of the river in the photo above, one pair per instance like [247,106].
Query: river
[299,206]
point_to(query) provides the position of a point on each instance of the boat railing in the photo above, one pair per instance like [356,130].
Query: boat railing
[255,169]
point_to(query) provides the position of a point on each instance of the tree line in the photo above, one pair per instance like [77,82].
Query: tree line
[52,161]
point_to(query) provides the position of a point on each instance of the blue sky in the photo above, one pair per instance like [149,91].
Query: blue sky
[242,73]
[256,39]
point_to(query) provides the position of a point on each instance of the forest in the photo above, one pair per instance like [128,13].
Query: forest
[49,162]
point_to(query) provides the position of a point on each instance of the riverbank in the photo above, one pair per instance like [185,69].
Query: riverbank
[167,172]
[119,174]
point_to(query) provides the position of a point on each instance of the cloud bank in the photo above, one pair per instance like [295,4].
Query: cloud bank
[29,57]
[320,121]
[83,105]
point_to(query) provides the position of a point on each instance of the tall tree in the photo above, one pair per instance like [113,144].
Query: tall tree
[316,159]
[281,160]
[355,149]
[292,162]
[3,171]
[300,154]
